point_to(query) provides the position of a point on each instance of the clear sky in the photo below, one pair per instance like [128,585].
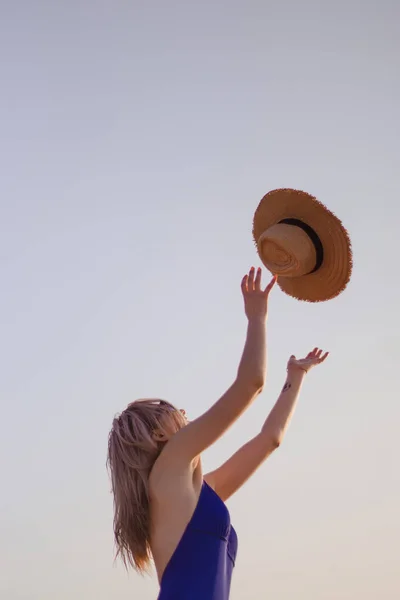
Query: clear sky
[137,139]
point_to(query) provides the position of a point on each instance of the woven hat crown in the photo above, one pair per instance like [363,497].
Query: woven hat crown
[304,243]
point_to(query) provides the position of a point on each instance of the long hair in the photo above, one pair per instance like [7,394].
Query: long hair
[132,451]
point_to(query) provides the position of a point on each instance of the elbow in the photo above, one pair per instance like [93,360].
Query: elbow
[253,385]
[257,384]
[276,442]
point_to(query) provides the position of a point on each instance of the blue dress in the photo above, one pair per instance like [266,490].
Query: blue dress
[201,566]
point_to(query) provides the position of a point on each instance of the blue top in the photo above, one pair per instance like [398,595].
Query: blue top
[201,566]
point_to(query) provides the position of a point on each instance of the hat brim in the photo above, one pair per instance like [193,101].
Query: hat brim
[335,272]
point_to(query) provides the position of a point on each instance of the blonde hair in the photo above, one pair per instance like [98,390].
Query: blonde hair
[132,451]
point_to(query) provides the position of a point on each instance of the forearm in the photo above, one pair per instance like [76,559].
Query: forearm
[199,434]
[279,418]
[252,367]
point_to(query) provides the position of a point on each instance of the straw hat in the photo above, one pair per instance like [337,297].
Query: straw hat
[302,242]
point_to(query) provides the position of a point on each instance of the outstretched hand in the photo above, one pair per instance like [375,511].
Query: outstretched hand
[316,357]
[255,298]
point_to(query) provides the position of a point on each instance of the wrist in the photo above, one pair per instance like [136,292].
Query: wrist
[257,319]
[296,372]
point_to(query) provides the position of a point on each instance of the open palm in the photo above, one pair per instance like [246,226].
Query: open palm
[256,298]
[316,357]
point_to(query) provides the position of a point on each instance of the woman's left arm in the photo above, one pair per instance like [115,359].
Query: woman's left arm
[236,470]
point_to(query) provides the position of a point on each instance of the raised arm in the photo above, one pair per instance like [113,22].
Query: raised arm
[234,472]
[199,434]
[278,420]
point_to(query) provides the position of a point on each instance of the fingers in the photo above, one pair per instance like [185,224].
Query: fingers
[257,281]
[318,355]
[244,284]
[315,357]
[250,282]
[271,285]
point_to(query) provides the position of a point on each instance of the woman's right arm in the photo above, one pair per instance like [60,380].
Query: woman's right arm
[201,433]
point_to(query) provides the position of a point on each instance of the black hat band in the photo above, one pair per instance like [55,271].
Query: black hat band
[314,237]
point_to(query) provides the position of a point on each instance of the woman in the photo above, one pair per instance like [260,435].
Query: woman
[165,509]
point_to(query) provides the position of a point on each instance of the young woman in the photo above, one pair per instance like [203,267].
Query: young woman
[165,509]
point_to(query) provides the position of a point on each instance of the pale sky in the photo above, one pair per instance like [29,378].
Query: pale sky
[137,139]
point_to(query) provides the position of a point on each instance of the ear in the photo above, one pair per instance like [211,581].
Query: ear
[159,436]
